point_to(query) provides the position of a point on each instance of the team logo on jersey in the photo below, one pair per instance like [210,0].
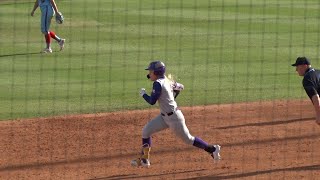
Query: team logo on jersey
[153,91]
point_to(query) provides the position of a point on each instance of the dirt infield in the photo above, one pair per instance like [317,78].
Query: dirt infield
[262,140]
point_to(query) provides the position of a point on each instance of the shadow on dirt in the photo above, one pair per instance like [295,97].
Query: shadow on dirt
[247,175]
[32,165]
[134,176]
[275,122]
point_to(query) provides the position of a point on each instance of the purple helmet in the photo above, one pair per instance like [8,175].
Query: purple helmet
[157,67]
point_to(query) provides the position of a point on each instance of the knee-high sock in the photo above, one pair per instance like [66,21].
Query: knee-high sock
[54,36]
[146,142]
[200,143]
[146,148]
[48,40]
[203,145]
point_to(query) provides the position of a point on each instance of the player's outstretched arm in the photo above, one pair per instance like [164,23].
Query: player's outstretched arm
[156,92]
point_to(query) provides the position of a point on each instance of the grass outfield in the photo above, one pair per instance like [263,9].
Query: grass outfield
[223,51]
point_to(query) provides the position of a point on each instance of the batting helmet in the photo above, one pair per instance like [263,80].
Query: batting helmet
[157,67]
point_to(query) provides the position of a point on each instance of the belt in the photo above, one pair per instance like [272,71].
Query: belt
[170,113]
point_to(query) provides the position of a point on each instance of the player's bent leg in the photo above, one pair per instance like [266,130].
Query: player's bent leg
[180,129]
[155,125]
[144,159]
[58,39]
[213,150]
[186,137]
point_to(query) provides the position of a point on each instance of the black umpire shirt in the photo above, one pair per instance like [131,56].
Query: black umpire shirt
[311,82]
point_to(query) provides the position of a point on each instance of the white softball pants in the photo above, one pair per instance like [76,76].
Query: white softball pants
[175,122]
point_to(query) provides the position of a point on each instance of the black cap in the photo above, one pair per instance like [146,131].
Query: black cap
[301,61]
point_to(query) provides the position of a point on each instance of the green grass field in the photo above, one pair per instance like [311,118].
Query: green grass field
[223,51]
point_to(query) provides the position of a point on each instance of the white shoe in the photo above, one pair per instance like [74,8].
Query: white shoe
[136,162]
[145,163]
[61,44]
[47,50]
[140,162]
[216,153]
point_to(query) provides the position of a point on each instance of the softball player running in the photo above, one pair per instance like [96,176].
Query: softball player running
[165,91]
[48,9]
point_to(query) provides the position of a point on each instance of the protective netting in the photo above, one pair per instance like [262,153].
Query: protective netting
[85,115]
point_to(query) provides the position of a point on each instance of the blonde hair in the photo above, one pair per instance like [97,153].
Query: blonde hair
[171,78]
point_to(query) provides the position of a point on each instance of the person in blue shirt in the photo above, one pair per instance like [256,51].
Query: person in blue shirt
[48,9]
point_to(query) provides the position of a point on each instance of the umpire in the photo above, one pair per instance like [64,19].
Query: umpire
[311,82]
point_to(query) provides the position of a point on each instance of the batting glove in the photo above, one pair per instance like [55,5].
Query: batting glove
[142,92]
